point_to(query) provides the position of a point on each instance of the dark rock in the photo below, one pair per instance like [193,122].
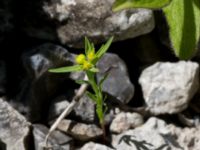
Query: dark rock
[39,85]
[14,128]
[94,19]
[80,131]
[57,140]
[117,84]
[169,87]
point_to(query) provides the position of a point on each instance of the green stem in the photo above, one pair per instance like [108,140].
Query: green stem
[99,100]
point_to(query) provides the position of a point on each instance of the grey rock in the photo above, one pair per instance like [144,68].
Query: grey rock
[124,121]
[84,110]
[94,19]
[80,131]
[39,85]
[118,83]
[57,140]
[57,106]
[168,87]
[95,146]
[14,128]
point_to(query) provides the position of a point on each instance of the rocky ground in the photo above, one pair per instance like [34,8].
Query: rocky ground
[153,97]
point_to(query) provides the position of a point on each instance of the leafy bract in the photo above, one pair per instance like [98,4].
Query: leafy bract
[153,4]
[183,17]
[104,48]
[66,69]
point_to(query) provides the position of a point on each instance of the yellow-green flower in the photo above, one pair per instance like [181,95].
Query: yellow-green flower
[91,56]
[80,59]
[86,65]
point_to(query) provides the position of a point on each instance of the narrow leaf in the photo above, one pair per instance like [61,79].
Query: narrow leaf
[66,69]
[87,45]
[183,17]
[82,82]
[91,96]
[104,48]
[94,69]
[90,75]
[153,4]
[102,80]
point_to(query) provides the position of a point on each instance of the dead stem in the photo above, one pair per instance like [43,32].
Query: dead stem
[71,106]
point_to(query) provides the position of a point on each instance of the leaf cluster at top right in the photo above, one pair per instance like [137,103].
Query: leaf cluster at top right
[183,18]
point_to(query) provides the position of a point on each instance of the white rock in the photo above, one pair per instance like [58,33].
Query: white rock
[95,146]
[125,121]
[168,87]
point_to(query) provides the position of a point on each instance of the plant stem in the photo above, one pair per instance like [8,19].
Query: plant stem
[67,110]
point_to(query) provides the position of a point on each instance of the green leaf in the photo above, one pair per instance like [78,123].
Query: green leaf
[90,75]
[94,70]
[104,48]
[91,96]
[82,82]
[87,45]
[153,4]
[183,17]
[66,69]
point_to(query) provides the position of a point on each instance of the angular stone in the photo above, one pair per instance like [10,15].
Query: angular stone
[124,121]
[118,83]
[80,131]
[168,87]
[14,128]
[95,146]
[94,19]
[57,140]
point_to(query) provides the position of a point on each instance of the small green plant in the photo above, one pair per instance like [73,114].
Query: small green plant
[87,63]
[183,18]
